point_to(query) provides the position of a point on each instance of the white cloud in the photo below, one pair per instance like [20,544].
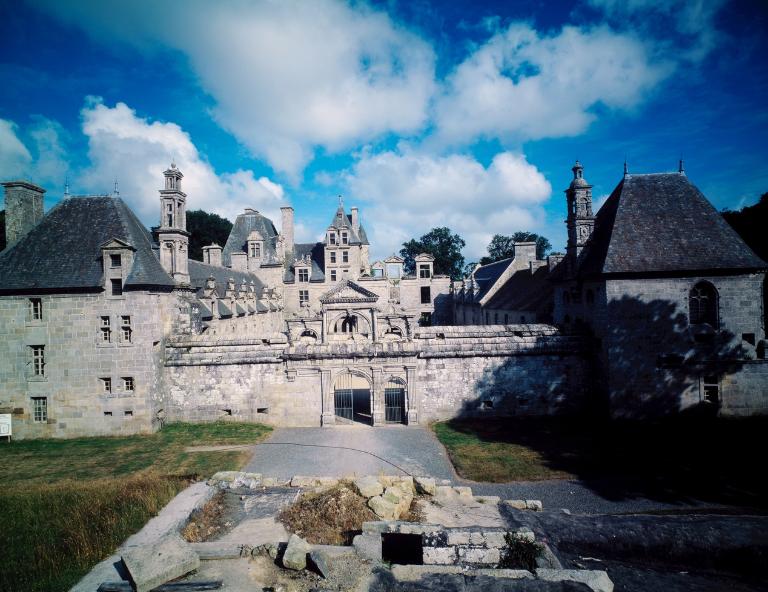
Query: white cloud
[693,20]
[135,151]
[15,159]
[408,193]
[286,76]
[522,85]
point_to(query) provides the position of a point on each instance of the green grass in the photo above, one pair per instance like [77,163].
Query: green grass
[67,504]
[674,460]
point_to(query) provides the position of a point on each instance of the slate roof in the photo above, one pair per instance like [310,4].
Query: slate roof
[316,254]
[63,252]
[525,291]
[200,272]
[486,275]
[246,223]
[662,223]
[342,220]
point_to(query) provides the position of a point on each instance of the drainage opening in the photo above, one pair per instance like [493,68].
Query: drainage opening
[404,549]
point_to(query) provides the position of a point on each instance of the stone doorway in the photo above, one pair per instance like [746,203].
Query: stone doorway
[352,399]
[394,401]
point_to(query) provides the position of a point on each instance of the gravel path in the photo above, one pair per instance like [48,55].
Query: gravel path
[362,450]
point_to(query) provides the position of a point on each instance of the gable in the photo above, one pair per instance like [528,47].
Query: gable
[348,291]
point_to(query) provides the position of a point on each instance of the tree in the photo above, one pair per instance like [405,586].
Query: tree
[443,245]
[503,247]
[750,222]
[204,229]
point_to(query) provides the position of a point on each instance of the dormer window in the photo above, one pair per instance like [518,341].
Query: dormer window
[115,260]
[332,238]
[303,275]
[344,238]
[255,250]
[425,270]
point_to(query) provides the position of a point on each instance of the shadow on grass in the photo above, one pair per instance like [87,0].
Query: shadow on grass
[674,460]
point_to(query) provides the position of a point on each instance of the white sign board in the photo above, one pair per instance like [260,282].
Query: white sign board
[5,425]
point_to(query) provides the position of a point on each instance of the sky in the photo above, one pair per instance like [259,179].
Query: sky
[466,114]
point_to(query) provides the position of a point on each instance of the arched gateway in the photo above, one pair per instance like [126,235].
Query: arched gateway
[352,398]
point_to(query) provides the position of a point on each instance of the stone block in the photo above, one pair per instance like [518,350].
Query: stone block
[439,555]
[463,492]
[479,555]
[425,485]
[150,566]
[495,539]
[597,580]
[382,508]
[516,504]
[368,546]
[458,537]
[295,556]
[375,527]
[534,505]
[368,486]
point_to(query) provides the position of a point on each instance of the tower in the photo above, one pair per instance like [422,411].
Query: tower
[23,208]
[580,220]
[172,233]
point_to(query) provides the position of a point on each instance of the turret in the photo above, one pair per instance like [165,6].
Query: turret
[172,233]
[580,221]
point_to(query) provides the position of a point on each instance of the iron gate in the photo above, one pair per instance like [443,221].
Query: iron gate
[342,400]
[394,401]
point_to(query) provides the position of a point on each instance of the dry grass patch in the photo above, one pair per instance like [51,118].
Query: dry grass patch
[331,517]
[206,523]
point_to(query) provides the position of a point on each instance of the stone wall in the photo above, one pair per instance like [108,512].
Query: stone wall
[77,360]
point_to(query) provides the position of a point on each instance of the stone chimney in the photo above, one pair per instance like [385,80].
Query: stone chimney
[23,208]
[554,260]
[355,220]
[239,261]
[212,255]
[524,254]
[287,229]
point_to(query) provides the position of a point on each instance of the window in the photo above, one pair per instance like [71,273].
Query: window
[303,275]
[333,256]
[332,238]
[106,330]
[38,359]
[344,238]
[40,409]
[255,250]
[426,295]
[35,309]
[345,256]
[710,389]
[425,320]
[349,324]
[128,413]
[303,297]
[128,383]
[117,287]
[115,260]
[424,270]
[333,275]
[125,328]
[106,385]
[702,305]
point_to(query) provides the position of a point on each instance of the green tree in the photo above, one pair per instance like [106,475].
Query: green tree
[503,247]
[750,222]
[204,229]
[443,245]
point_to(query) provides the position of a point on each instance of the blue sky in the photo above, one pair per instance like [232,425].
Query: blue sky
[423,114]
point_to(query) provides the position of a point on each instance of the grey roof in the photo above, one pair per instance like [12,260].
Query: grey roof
[244,224]
[316,254]
[200,272]
[343,220]
[486,275]
[525,291]
[63,252]
[662,223]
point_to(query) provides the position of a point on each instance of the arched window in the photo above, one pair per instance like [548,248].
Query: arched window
[702,305]
[349,324]
[308,335]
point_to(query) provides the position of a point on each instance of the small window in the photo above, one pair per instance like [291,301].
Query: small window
[333,256]
[332,238]
[255,250]
[115,261]
[106,330]
[303,297]
[40,409]
[128,385]
[36,309]
[424,270]
[126,330]
[106,385]
[38,359]
[702,305]
[128,413]
[344,238]
[107,414]
[333,275]
[303,275]
[425,320]
[117,286]
[710,389]
[345,256]
[426,295]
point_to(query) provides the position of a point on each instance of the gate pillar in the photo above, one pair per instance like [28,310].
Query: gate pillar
[377,394]
[411,402]
[328,417]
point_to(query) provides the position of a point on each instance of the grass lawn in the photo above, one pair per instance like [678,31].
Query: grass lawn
[67,504]
[717,460]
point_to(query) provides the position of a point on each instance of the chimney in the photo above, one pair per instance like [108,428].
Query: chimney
[212,255]
[23,208]
[524,254]
[554,260]
[287,229]
[239,261]
[355,220]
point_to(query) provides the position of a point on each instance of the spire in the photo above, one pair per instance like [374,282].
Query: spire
[626,168]
[341,202]
[578,170]
[681,168]
[116,192]
[66,187]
